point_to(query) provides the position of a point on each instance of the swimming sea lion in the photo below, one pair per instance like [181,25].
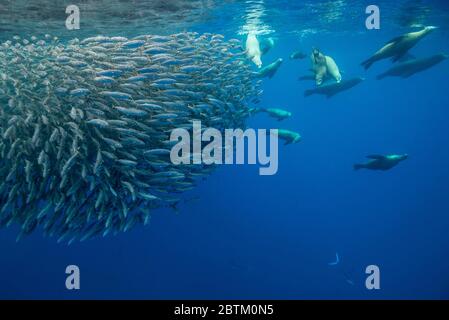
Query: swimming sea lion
[381,162]
[289,136]
[409,68]
[398,47]
[279,114]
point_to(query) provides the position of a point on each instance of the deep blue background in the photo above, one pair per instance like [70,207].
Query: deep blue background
[272,237]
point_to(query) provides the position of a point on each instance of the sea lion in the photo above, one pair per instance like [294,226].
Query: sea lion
[279,114]
[270,70]
[330,90]
[324,66]
[289,136]
[396,48]
[253,51]
[409,68]
[381,162]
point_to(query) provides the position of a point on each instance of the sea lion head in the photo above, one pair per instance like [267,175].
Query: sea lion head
[296,138]
[318,57]
[429,29]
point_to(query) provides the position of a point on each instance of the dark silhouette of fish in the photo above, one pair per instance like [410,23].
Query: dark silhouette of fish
[409,68]
[330,90]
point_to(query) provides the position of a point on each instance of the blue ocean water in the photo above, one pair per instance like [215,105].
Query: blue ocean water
[239,235]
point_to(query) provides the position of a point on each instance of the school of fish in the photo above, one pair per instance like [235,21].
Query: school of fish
[85,125]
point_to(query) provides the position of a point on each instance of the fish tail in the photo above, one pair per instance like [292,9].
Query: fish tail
[358,166]
[381,76]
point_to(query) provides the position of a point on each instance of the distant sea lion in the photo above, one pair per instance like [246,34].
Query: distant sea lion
[289,136]
[381,162]
[409,68]
[398,47]
[279,114]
